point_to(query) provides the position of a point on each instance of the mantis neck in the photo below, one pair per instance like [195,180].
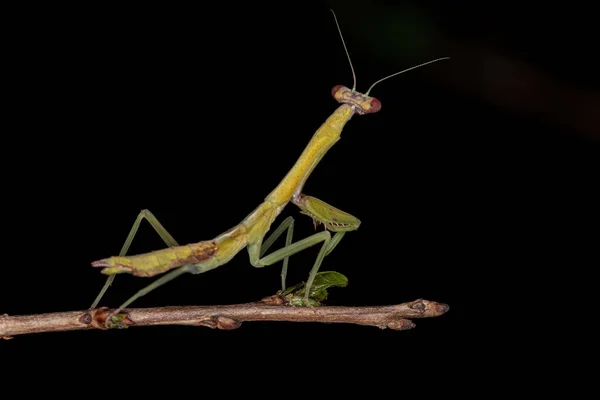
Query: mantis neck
[321,142]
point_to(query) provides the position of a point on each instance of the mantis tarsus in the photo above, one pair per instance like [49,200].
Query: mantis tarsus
[203,256]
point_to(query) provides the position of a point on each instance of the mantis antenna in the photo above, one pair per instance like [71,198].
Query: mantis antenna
[382,79]
[406,70]
[345,49]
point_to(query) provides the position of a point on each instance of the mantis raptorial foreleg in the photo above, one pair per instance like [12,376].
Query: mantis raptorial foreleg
[158,227]
[334,219]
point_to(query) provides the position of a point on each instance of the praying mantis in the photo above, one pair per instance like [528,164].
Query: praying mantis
[250,233]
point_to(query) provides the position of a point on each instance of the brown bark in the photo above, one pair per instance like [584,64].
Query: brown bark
[225,317]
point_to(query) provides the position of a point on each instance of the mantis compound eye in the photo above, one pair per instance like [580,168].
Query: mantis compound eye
[335,89]
[375,105]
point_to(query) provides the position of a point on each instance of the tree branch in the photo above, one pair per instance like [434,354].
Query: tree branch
[225,317]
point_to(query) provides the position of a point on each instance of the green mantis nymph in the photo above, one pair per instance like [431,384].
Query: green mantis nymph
[200,257]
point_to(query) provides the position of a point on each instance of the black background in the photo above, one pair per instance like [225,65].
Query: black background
[475,184]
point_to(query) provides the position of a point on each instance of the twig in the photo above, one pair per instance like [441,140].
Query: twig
[224,317]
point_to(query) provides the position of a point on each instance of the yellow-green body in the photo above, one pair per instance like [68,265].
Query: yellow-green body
[250,232]
[207,255]
[323,139]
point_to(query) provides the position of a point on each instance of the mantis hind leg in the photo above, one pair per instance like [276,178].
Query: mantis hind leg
[188,268]
[158,227]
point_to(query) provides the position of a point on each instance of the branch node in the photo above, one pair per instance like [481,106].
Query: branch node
[429,308]
[227,324]
[86,318]
[401,324]
[119,321]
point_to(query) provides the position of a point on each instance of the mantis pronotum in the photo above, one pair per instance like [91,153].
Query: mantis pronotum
[203,256]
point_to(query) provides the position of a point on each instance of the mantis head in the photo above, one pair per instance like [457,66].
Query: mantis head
[362,103]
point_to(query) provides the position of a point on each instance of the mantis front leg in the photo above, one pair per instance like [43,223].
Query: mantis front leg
[332,218]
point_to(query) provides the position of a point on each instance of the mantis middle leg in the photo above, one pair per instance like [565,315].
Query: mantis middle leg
[334,220]
[291,249]
[288,224]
